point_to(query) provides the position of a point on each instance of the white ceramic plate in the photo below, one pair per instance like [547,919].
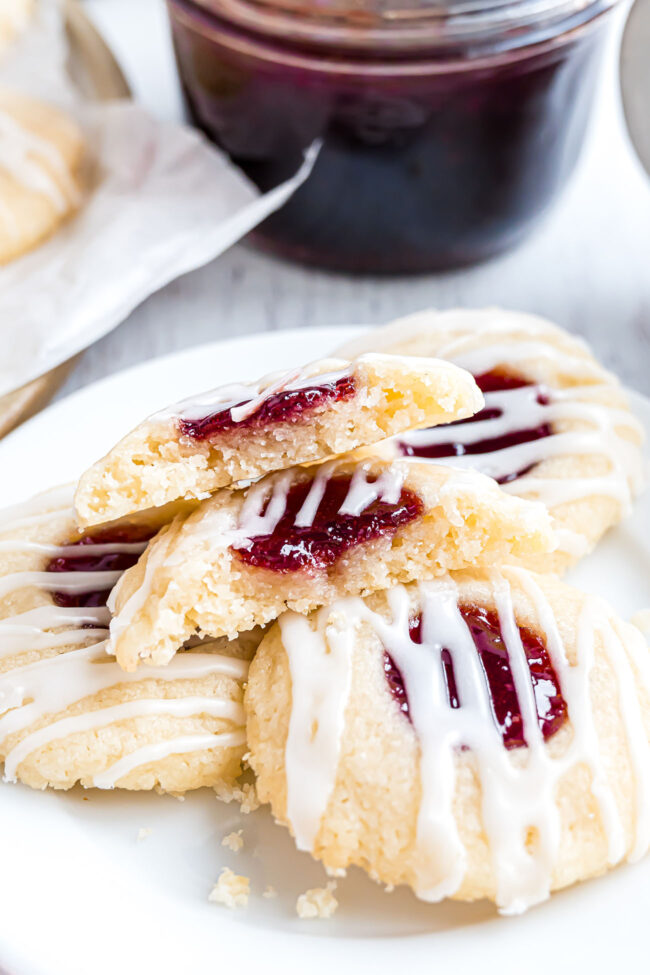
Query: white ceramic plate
[79,895]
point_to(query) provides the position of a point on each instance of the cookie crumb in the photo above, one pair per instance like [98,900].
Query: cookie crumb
[246,795]
[318,902]
[143,832]
[249,802]
[226,793]
[233,841]
[269,892]
[389,888]
[231,890]
[336,872]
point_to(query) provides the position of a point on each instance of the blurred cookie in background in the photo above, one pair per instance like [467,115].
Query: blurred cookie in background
[14,18]
[42,152]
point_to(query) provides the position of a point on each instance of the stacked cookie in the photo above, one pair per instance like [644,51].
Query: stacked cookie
[331,570]
[43,155]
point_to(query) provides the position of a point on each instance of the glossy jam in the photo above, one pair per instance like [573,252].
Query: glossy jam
[486,633]
[489,382]
[395,680]
[318,546]
[422,166]
[109,561]
[288,406]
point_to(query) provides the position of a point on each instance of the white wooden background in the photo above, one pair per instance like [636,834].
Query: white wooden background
[587,267]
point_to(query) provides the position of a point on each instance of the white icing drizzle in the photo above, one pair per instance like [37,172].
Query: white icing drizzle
[17,14]
[58,680]
[163,749]
[642,621]
[36,164]
[319,695]
[156,555]
[518,788]
[244,399]
[266,501]
[49,617]
[54,683]
[70,582]
[481,360]
[181,707]
[43,507]
[600,431]
[14,638]
[63,551]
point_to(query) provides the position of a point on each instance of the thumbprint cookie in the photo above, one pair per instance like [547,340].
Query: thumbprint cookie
[480,735]
[68,713]
[556,426]
[302,537]
[15,16]
[42,153]
[243,431]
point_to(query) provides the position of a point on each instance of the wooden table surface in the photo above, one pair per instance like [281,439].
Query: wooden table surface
[587,267]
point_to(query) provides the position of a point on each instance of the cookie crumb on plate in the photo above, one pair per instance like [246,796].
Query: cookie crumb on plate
[231,890]
[233,841]
[318,902]
[143,833]
[249,801]
[246,795]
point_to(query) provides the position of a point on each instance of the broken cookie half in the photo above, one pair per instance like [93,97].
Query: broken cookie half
[243,431]
[300,538]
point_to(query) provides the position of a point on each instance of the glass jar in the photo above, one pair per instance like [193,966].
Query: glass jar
[446,128]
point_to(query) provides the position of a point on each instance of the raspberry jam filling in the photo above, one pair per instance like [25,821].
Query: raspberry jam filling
[488,382]
[289,547]
[104,562]
[486,633]
[287,406]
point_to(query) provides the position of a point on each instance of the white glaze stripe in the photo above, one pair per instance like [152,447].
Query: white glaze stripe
[54,683]
[31,161]
[602,431]
[70,582]
[260,514]
[317,716]
[102,717]
[74,551]
[43,507]
[484,359]
[642,621]
[50,617]
[244,399]
[425,685]
[14,639]
[163,749]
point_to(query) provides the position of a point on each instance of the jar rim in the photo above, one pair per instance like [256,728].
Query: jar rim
[439,28]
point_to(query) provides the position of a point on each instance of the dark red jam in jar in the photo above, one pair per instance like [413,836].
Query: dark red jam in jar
[446,128]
